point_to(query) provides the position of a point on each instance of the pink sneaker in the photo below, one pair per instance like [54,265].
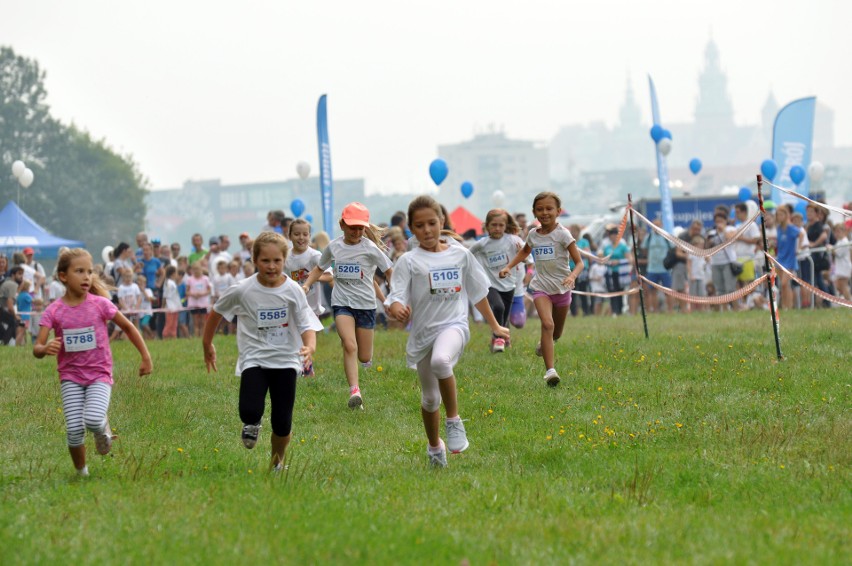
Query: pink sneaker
[498,345]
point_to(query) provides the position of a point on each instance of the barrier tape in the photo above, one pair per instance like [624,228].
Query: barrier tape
[692,249]
[840,211]
[632,291]
[815,290]
[714,300]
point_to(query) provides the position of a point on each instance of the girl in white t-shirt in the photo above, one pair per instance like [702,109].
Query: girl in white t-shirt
[354,258]
[432,285]
[276,335]
[494,253]
[551,245]
[298,265]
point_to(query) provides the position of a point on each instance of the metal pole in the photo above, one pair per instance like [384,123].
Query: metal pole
[636,265]
[767,268]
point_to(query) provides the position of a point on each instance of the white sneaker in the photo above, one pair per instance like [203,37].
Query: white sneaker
[498,345]
[250,434]
[456,437]
[551,377]
[437,459]
[103,440]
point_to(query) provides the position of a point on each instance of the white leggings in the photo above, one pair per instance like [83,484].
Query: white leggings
[85,407]
[438,364]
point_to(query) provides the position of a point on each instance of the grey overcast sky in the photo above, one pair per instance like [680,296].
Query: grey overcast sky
[200,89]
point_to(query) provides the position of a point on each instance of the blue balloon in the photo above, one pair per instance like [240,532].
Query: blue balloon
[297,207]
[666,134]
[797,174]
[309,218]
[744,194]
[769,169]
[438,171]
[467,189]
[695,165]
[656,133]
[801,207]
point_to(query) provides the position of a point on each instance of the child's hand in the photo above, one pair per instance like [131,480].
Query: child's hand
[501,331]
[569,281]
[146,367]
[504,273]
[307,353]
[400,312]
[305,288]
[210,357]
[53,347]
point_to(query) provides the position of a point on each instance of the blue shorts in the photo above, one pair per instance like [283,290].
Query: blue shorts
[364,318]
[663,279]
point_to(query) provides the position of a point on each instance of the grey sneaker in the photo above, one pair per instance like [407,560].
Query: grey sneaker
[250,434]
[551,377]
[439,459]
[456,437]
[103,440]
[538,350]
[355,401]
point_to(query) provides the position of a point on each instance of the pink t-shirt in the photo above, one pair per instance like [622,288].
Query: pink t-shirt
[198,285]
[85,356]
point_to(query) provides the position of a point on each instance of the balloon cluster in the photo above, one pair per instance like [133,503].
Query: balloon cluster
[23,174]
[662,137]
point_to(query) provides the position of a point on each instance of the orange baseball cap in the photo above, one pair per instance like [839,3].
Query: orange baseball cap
[355,214]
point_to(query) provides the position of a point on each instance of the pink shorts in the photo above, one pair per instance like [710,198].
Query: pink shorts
[559,300]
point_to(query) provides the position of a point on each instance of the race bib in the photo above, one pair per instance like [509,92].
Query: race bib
[269,318]
[544,252]
[276,336]
[447,280]
[348,270]
[497,261]
[79,339]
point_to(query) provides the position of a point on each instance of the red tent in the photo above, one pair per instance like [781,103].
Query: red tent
[463,221]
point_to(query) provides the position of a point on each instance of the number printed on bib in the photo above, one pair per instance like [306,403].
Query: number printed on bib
[79,339]
[268,318]
[447,280]
[348,270]
[544,252]
[497,261]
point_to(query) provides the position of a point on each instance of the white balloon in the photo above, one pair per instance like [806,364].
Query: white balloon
[18,168]
[816,171]
[752,207]
[303,169]
[105,253]
[498,198]
[26,178]
[665,146]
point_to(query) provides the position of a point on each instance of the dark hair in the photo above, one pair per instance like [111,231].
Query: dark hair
[170,270]
[741,206]
[298,222]
[425,201]
[15,269]
[397,218]
[119,249]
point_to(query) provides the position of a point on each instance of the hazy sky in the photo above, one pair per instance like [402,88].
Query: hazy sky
[199,89]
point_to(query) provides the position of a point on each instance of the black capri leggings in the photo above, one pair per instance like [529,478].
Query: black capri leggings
[281,384]
[501,304]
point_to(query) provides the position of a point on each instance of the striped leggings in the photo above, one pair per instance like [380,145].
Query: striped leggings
[85,407]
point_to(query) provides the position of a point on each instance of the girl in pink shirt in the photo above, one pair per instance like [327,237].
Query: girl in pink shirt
[198,289]
[81,345]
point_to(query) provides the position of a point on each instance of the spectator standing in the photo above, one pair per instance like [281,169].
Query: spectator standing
[724,280]
[198,252]
[8,300]
[842,261]
[656,248]
[39,277]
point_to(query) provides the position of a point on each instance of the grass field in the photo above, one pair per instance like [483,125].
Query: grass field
[694,446]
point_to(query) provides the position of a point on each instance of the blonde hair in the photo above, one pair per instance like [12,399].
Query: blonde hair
[372,232]
[548,194]
[298,222]
[320,240]
[265,239]
[98,287]
[511,224]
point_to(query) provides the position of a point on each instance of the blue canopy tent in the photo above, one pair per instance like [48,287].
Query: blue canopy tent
[19,231]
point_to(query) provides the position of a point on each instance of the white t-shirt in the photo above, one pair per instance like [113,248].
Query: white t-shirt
[271,323]
[449,240]
[843,259]
[697,268]
[297,267]
[437,286]
[147,299]
[221,283]
[56,290]
[495,254]
[171,296]
[353,269]
[128,296]
[216,258]
[744,250]
[550,253]
[726,256]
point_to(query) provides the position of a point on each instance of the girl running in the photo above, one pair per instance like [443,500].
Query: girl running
[431,286]
[298,265]
[354,257]
[493,254]
[81,345]
[276,335]
[551,245]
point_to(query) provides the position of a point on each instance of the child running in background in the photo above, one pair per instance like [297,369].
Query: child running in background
[81,344]
[432,286]
[354,257]
[276,336]
[171,298]
[220,282]
[198,289]
[298,265]
[551,245]
[146,307]
[494,253]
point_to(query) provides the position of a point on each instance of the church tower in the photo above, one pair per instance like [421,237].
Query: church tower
[713,108]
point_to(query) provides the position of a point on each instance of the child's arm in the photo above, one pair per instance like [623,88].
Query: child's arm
[315,274]
[378,290]
[44,348]
[326,277]
[136,339]
[485,309]
[309,345]
[213,320]
[521,256]
[574,251]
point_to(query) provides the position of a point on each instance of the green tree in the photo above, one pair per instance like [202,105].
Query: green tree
[83,189]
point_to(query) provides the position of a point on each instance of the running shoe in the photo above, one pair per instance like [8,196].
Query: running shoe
[456,437]
[498,345]
[250,434]
[308,369]
[551,377]
[103,440]
[437,459]
[355,400]
[538,350]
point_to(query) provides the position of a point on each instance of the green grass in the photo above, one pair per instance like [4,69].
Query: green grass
[693,446]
